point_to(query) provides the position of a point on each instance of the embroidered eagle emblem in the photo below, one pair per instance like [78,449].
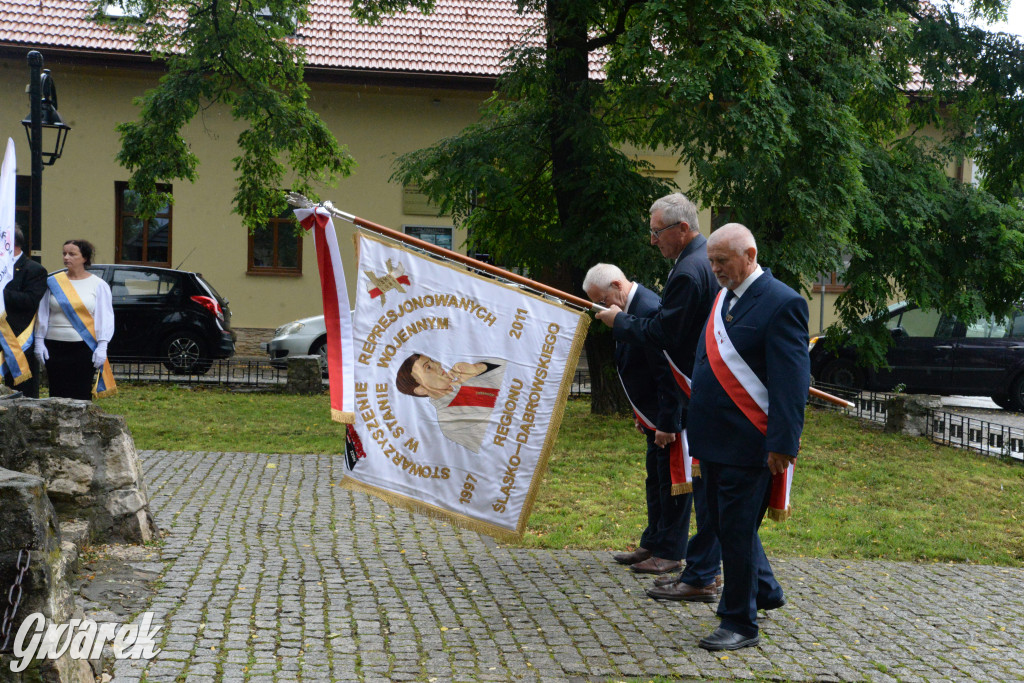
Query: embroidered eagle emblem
[393,279]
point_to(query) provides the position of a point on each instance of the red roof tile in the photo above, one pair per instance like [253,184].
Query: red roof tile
[461,37]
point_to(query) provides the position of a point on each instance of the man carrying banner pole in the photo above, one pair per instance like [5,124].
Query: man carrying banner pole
[750,385]
[674,330]
[651,390]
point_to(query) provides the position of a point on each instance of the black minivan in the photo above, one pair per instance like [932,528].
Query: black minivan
[174,317]
[933,353]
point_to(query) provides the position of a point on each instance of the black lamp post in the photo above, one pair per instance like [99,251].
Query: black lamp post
[42,115]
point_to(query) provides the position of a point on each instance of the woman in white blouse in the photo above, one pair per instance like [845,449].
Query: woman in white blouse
[76,322]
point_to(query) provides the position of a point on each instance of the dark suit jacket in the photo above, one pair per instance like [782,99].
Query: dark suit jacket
[685,304]
[769,330]
[23,293]
[645,373]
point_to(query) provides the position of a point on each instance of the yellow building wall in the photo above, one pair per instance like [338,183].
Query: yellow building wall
[376,123]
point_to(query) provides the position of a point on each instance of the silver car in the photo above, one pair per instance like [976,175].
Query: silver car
[305,337]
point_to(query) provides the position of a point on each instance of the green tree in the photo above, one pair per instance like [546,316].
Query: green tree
[827,127]
[234,53]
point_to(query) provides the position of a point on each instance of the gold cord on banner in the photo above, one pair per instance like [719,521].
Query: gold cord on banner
[780,515]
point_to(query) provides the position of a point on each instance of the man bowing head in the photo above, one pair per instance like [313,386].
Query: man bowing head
[750,380]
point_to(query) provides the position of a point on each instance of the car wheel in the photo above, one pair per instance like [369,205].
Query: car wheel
[1003,402]
[184,353]
[1016,397]
[319,348]
[843,373]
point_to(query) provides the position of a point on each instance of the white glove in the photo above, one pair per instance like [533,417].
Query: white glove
[41,353]
[99,356]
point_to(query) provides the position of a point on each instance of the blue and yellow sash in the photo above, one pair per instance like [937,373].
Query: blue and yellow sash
[64,292]
[13,350]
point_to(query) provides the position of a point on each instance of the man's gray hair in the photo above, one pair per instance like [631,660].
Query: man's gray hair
[602,276]
[675,208]
[734,236]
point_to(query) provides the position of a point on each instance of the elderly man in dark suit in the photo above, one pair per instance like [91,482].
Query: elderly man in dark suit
[651,390]
[21,300]
[750,383]
[674,330]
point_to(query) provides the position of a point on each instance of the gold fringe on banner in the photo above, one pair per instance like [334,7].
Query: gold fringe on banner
[780,515]
[343,416]
[682,489]
[418,506]
[695,470]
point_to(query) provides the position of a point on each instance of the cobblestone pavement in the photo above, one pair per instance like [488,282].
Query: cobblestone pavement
[272,572]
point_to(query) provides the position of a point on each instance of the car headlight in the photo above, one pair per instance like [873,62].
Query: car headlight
[290,328]
[810,346]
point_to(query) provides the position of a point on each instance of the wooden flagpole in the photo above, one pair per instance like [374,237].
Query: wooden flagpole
[300,201]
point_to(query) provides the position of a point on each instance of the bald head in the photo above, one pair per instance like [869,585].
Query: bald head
[734,236]
[733,254]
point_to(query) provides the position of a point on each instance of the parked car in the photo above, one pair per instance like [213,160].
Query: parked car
[305,337]
[933,353]
[173,316]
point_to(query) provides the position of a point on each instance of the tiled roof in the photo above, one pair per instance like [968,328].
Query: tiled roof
[461,37]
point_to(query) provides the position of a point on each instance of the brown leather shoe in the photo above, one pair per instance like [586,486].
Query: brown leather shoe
[667,579]
[685,592]
[656,565]
[638,555]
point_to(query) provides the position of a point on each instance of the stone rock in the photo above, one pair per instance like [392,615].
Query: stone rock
[27,518]
[88,460]
[304,375]
[28,522]
[908,413]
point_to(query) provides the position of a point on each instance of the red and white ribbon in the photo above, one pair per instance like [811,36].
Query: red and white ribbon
[337,312]
[680,463]
[749,394]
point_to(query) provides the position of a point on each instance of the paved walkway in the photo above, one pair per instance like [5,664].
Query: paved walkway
[274,573]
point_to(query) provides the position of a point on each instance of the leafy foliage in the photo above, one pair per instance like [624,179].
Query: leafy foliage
[226,52]
[830,128]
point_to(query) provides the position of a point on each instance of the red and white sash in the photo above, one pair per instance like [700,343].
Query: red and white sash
[680,463]
[337,312]
[749,394]
[681,379]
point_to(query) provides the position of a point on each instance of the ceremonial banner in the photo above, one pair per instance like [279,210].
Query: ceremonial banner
[8,180]
[460,385]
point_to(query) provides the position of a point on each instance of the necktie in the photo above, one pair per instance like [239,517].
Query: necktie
[729,296]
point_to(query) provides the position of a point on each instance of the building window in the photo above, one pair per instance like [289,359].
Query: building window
[441,237]
[139,241]
[276,248]
[23,215]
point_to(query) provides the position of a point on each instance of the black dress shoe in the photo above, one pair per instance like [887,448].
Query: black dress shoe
[638,555]
[722,639]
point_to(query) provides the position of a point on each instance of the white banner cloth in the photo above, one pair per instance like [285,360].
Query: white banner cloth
[462,430]
[8,180]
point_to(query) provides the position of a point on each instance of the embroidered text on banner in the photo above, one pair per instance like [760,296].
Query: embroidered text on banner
[460,385]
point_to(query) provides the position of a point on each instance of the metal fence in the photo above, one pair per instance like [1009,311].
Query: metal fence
[943,427]
[229,372]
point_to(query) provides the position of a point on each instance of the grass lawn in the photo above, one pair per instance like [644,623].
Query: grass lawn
[858,493]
